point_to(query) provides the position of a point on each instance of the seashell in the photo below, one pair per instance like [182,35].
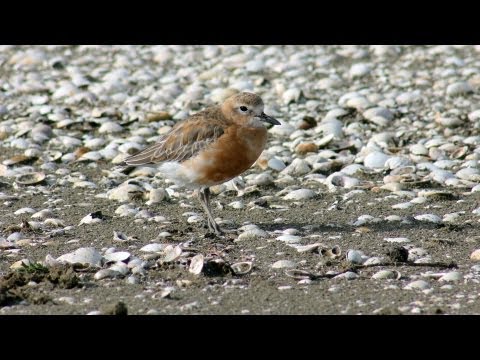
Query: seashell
[19,159]
[308,248]
[298,167]
[374,260]
[459,88]
[196,264]
[110,127]
[387,274]
[375,160]
[33,178]
[50,261]
[242,268]
[429,218]
[252,234]
[451,277]
[475,256]
[88,256]
[119,236]
[156,196]
[355,256]
[299,274]
[93,218]
[24,211]
[329,127]
[106,274]
[172,253]
[349,275]
[291,95]
[360,70]
[417,285]
[397,240]
[300,194]
[121,267]
[289,239]
[165,293]
[54,222]
[117,256]
[283,264]
[20,264]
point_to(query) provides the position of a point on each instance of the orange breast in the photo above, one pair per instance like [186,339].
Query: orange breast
[230,156]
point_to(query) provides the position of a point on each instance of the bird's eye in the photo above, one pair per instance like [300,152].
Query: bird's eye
[243,108]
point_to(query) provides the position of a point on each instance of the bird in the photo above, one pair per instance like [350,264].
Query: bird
[210,147]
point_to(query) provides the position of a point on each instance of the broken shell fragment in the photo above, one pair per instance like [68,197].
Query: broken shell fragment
[242,268]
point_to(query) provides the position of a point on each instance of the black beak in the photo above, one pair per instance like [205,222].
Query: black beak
[269,119]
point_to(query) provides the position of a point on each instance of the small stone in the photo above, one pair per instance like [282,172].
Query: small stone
[305,148]
[276,164]
[118,308]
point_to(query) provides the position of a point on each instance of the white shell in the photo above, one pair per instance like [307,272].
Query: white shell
[252,234]
[172,253]
[154,247]
[196,264]
[242,268]
[117,256]
[300,194]
[386,274]
[417,285]
[88,256]
[452,276]
[106,273]
[283,264]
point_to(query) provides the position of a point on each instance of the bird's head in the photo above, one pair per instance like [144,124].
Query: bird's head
[246,109]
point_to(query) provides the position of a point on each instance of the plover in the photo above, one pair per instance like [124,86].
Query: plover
[210,147]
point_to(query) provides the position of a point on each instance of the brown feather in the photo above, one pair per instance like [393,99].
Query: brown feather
[185,140]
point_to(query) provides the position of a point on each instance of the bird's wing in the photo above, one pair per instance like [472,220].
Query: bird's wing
[184,141]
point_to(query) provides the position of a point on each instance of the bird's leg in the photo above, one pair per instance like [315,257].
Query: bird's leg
[204,198]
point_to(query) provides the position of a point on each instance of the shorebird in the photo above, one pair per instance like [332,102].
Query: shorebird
[210,147]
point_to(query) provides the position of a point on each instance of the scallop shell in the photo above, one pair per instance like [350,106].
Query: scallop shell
[196,264]
[18,159]
[172,253]
[242,268]
[32,178]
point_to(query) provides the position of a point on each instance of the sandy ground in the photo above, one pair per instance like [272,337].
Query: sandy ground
[264,290]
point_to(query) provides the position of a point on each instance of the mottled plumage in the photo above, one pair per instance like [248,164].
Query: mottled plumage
[211,146]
